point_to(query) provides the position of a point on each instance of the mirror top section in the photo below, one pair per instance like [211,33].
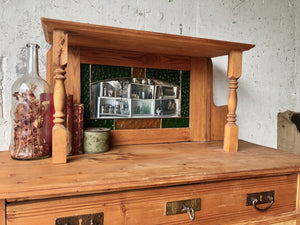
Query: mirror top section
[106,37]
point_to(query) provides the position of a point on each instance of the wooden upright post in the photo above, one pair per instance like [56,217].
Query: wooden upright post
[59,132]
[231,129]
[200,99]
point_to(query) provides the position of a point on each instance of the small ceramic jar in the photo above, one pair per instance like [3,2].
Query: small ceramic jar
[96,140]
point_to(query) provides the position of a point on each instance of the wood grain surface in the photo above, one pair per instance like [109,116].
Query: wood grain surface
[140,166]
[218,121]
[200,113]
[133,59]
[147,136]
[221,203]
[2,212]
[72,83]
[90,35]
[141,123]
[281,219]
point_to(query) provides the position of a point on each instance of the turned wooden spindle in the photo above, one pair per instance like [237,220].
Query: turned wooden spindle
[231,129]
[59,131]
[232,101]
[59,95]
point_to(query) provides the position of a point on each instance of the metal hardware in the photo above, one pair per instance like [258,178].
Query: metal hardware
[176,207]
[254,202]
[190,211]
[88,219]
[255,199]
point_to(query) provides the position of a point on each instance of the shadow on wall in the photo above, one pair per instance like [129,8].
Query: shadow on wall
[296,120]
[288,132]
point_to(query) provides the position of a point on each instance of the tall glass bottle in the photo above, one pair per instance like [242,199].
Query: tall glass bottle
[30,112]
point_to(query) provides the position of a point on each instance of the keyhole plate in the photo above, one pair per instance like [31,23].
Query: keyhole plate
[262,197]
[86,219]
[173,208]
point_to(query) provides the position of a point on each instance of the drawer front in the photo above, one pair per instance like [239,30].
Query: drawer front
[221,203]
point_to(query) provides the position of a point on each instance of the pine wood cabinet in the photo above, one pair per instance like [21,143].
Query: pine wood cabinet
[147,170]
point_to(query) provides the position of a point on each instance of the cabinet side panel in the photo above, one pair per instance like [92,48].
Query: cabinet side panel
[72,82]
[200,106]
[218,121]
[218,113]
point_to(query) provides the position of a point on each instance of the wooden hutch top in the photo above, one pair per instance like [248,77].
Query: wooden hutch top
[74,43]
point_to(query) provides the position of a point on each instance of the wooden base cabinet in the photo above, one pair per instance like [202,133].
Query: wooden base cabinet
[221,203]
[134,184]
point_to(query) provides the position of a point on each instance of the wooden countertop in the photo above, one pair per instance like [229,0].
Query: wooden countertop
[140,166]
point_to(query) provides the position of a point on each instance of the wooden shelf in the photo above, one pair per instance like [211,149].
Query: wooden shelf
[121,39]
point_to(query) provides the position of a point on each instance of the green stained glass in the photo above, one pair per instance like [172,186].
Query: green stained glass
[175,122]
[85,88]
[102,72]
[185,93]
[106,123]
[171,76]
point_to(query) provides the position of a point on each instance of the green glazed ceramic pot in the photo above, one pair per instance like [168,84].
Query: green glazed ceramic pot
[95,140]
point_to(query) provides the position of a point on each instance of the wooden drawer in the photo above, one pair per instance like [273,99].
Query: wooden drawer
[221,203]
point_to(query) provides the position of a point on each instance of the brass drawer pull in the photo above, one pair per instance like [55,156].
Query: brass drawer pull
[88,219]
[255,201]
[190,211]
[189,206]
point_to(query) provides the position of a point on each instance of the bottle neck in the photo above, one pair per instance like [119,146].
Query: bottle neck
[32,60]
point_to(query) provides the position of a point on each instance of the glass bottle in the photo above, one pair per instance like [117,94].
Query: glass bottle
[31,112]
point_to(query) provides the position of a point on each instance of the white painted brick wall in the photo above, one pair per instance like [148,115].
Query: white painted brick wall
[270,82]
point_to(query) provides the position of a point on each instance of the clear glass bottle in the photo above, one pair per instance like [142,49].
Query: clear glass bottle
[30,112]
